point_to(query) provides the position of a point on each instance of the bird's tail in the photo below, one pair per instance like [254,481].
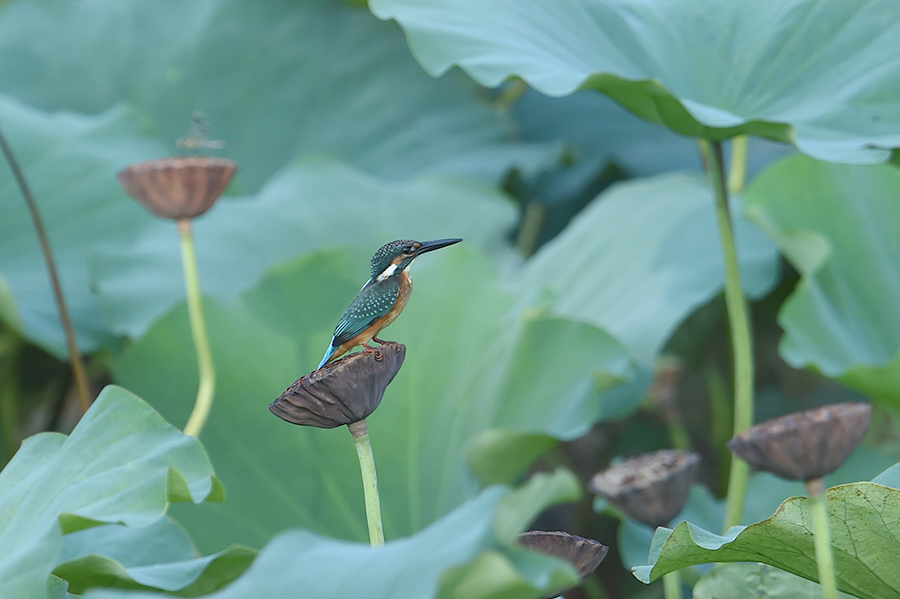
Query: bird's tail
[328,354]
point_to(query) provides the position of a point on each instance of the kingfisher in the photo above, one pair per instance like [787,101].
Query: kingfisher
[382,298]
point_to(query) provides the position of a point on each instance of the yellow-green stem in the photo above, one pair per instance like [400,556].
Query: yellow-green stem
[672,585]
[360,433]
[207,387]
[741,341]
[737,172]
[822,538]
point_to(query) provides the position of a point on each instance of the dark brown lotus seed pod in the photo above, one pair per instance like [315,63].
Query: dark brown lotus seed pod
[584,554]
[343,391]
[806,445]
[651,488]
[177,188]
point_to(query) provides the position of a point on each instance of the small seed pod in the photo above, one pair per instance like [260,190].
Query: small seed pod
[341,392]
[806,445]
[178,188]
[584,554]
[651,488]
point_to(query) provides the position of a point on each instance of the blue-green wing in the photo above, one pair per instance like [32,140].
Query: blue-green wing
[372,302]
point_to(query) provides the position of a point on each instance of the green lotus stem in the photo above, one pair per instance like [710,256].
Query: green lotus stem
[822,538]
[672,585]
[207,387]
[741,340]
[78,371]
[737,172]
[360,433]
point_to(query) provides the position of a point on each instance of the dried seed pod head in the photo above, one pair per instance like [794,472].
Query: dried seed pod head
[182,187]
[651,488]
[341,392]
[806,445]
[584,554]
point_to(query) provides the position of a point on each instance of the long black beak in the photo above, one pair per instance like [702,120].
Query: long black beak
[437,244]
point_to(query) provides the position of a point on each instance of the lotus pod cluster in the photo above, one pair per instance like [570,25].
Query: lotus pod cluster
[584,554]
[178,188]
[805,445]
[651,488]
[343,391]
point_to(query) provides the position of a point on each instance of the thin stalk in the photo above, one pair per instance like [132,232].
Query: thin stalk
[737,171]
[78,372]
[207,387]
[530,230]
[822,538]
[741,340]
[360,433]
[9,413]
[672,585]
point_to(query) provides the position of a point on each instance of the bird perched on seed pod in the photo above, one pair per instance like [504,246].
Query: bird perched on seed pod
[382,298]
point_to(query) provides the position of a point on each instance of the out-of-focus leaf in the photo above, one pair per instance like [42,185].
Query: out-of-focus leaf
[273,80]
[158,556]
[821,75]
[838,226]
[312,204]
[70,163]
[864,526]
[642,257]
[502,456]
[472,363]
[752,581]
[599,131]
[122,463]
[301,561]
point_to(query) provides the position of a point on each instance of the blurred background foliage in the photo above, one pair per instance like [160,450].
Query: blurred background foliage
[581,321]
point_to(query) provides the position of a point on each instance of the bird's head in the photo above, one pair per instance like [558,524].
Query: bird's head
[393,258]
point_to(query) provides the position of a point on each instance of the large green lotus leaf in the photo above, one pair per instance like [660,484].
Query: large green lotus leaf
[158,556]
[838,226]
[864,521]
[302,563]
[598,131]
[642,257]
[121,464]
[274,80]
[821,75]
[472,363]
[311,204]
[752,581]
[765,492]
[70,163]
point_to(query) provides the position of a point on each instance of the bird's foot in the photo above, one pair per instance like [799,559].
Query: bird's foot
[375,350]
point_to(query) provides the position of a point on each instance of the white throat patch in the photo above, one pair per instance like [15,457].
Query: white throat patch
[391,269]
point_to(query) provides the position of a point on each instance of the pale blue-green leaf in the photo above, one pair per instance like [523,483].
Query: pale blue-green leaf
[753,581]
[838,226]
[301,561]
[642,257]
[158,556]
[819,74]
[116,466]
[273,79]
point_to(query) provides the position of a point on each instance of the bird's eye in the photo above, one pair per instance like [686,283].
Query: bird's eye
[407,249]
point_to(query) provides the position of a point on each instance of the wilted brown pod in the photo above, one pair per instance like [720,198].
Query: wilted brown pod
[341,392]
[806,445]
[651,488]
[584,554]
[180,187]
